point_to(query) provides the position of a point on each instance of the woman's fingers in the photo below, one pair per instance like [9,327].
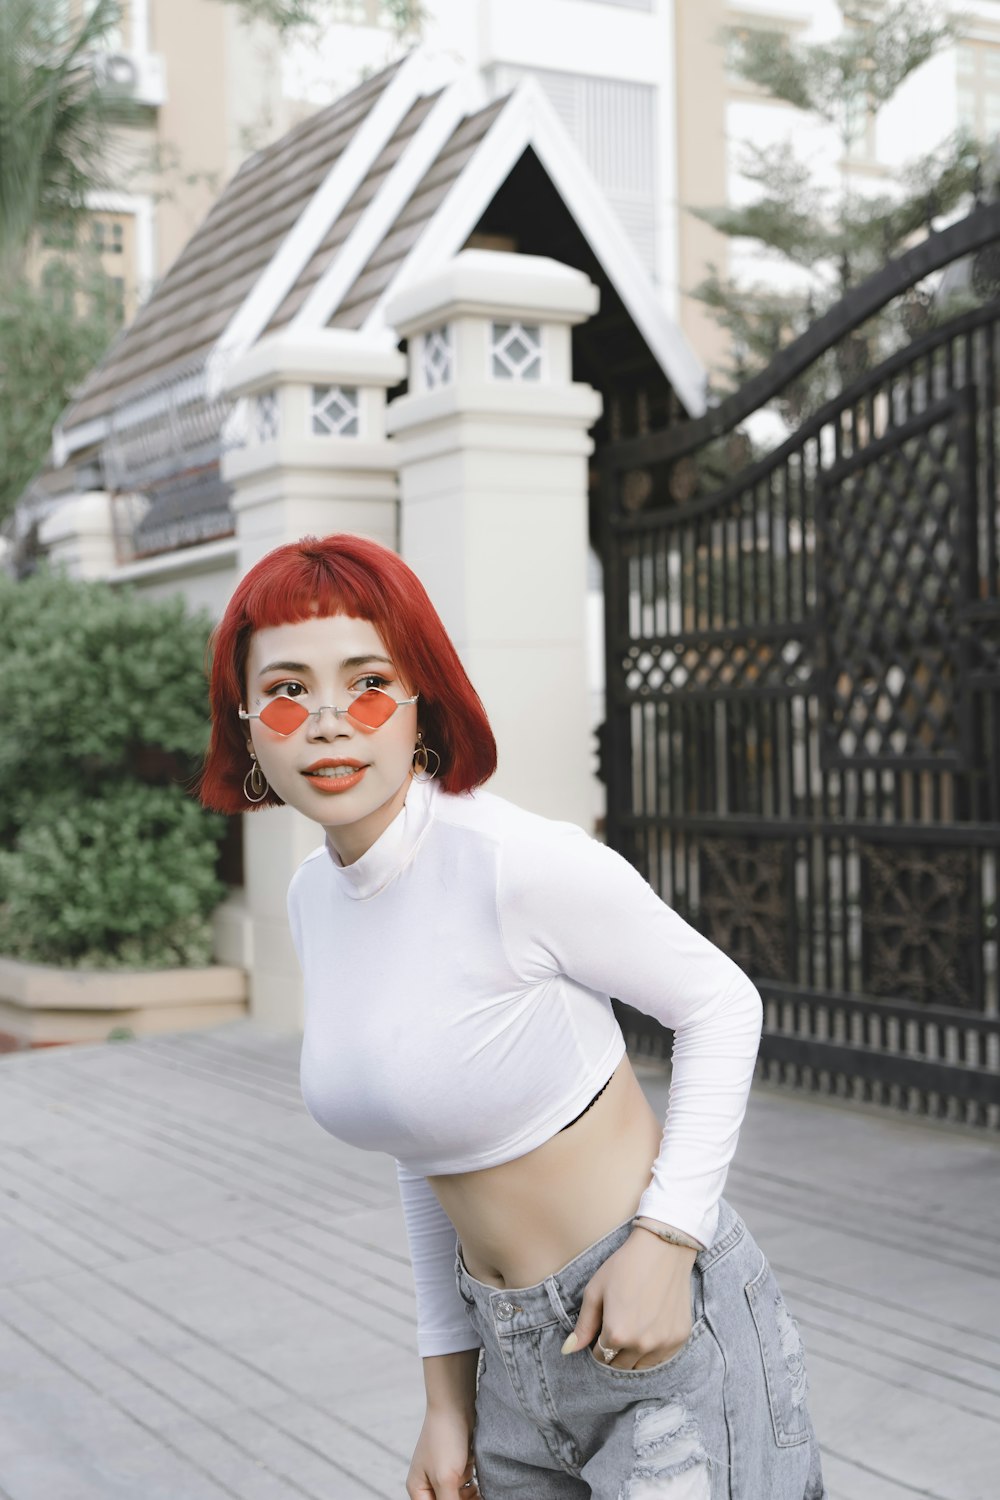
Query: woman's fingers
[624,1358]
[446,1489]
[588,1323]
[468,1489]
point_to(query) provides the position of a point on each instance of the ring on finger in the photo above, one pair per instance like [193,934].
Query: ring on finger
[606,1354]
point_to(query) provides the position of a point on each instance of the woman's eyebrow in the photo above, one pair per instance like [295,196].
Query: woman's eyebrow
[348,664]
[283,666]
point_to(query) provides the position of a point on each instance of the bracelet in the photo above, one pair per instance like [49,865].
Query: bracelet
[667,1233]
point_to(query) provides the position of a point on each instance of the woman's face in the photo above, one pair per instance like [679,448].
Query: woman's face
[324,662]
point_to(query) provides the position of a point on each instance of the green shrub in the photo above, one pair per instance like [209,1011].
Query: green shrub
[105,856]
[92,680]
[124,878]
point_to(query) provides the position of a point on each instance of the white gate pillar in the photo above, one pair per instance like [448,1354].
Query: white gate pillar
[492,443]
[315,460]
[315,457]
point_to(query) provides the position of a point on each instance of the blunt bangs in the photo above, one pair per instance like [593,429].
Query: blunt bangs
[343,574]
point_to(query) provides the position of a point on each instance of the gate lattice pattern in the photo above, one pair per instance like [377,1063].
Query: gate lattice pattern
[803,724]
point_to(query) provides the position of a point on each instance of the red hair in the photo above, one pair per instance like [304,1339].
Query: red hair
[348,575]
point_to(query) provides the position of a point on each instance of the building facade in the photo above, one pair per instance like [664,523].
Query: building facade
[641,87]
[262,393]
[419,314]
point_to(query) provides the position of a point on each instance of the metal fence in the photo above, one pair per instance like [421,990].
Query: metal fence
[803,681]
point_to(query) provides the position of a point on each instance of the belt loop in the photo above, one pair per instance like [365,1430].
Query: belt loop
[552,1288]
[697,1293]
[460,1280]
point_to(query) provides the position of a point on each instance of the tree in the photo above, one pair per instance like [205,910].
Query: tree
[58,311]
[832,234]
[405,16]
[56,118]
[51,334]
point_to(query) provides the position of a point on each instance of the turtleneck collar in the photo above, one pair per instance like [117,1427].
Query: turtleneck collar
[391,851]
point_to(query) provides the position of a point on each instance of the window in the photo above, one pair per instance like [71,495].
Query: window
[614,124]
[860,133]
[109,237]
[356,12]
[57,279]
[113,237]
[59,234]
[978,78]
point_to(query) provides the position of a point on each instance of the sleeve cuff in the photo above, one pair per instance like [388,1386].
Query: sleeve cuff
[431,1344]
[701,1226]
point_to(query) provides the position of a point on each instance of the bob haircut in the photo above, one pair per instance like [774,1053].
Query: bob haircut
[347,575]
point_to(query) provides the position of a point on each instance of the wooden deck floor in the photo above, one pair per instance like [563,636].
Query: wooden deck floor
[203,1296]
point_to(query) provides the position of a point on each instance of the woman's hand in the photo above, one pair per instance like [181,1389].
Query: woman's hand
[638,1302]
[441,1467]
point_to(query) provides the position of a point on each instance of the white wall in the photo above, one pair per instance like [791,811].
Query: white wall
[204,577]
[316,68]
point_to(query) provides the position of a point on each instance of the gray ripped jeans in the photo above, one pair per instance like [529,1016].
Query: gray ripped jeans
[724,1419]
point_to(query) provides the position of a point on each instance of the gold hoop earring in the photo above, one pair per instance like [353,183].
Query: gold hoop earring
[258,788]
[421,761]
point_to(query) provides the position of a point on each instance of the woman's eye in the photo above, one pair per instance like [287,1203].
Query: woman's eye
[285,690]
[370,680]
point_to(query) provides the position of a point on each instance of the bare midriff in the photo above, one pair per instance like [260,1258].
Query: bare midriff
[521,1221]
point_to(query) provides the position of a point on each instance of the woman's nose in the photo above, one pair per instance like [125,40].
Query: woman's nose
[326,721]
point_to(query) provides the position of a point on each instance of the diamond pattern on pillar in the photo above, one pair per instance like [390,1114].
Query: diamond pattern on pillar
[437,361]
[264,419]
[334,411]
[516,350]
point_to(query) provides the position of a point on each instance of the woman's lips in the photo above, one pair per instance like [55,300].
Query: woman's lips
[339,783]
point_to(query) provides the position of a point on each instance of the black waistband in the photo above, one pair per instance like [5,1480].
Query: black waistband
[583,1111]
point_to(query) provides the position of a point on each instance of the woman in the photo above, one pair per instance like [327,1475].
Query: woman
[625,1332]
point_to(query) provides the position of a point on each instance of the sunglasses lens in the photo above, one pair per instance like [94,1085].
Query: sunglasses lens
[283,715]
[372,709]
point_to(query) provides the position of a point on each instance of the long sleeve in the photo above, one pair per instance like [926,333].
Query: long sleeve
[443,1326]
[570,904]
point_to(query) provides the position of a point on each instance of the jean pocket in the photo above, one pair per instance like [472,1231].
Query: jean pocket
[784,1359]
[676,1360]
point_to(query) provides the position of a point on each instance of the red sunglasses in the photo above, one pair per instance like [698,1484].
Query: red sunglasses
[370,710]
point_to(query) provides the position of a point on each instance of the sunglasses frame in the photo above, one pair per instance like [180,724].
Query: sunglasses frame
[338,712]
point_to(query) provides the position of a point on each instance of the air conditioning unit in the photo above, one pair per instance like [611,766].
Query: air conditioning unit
[141,76]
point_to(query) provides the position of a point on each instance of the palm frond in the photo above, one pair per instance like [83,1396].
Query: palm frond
[55,116]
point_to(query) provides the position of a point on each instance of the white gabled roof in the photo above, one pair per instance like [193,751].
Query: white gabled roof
[413,161]
[528,120]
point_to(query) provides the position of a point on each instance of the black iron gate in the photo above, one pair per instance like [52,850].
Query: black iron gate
[803,686]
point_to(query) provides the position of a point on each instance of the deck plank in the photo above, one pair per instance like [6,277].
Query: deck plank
[203,1295]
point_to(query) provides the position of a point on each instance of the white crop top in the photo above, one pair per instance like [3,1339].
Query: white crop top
[457,1014]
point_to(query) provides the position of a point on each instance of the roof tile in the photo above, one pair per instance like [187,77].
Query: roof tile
[241,232]
[387,258]
[337,234]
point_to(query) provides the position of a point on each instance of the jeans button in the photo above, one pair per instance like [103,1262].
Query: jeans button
[504,1309]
